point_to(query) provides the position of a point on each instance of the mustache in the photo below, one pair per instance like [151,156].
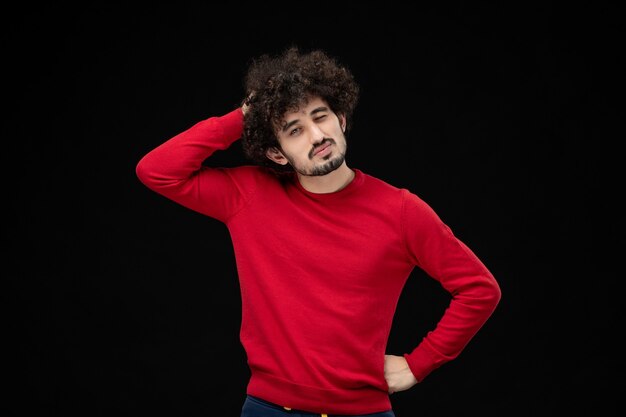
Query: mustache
[321,145]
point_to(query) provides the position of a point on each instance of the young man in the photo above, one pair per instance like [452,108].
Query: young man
[322,250]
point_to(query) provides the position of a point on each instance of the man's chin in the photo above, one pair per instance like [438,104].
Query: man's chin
[325,168]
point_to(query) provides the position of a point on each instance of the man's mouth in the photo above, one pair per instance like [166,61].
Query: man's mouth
[323,149]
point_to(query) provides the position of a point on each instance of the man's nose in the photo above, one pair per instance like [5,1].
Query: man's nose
[316,134]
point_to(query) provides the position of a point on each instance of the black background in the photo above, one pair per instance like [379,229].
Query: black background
[120,303]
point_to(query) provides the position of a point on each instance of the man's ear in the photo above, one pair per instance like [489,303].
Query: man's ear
[277,156]
[342,122]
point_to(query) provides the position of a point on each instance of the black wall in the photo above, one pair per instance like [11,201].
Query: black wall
[119,302]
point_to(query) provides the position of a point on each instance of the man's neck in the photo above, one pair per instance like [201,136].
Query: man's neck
[329,183]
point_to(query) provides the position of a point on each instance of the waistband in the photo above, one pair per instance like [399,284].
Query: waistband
[288,395]
[287,411]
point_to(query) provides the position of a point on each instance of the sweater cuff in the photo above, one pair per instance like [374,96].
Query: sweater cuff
[232,124]
[423,360]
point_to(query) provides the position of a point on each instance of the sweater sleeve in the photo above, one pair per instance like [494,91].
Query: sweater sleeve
[174,169]
[432,246]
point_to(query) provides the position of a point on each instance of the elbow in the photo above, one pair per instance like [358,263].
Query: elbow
[144,172]
[141,172]
[485,292]
[492,293]
[482,293]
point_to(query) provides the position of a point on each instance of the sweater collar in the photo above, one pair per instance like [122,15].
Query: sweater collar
[347,190]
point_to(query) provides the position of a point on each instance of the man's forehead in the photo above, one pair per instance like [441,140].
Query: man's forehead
[306,107]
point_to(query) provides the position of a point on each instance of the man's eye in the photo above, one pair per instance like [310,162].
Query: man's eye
[321,117]
[293,132]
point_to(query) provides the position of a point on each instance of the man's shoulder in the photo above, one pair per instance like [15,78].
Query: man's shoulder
[255,173]
[392,188]
[381,184]
[255,170]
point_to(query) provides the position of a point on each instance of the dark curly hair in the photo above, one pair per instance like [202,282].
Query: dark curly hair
[275,85]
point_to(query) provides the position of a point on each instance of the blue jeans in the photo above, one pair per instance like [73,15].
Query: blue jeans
[256,407]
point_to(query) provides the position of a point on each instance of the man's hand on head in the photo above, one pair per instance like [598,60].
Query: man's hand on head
[246,103]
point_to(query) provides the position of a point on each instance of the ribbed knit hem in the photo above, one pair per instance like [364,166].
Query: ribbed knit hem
[318,400]
[423,360]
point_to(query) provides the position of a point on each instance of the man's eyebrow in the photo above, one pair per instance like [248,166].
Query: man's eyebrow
[313,112]
[291,123]
[319,109]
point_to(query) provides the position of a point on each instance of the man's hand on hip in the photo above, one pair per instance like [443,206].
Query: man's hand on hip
[397,373]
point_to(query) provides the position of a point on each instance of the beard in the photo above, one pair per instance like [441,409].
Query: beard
[327,167]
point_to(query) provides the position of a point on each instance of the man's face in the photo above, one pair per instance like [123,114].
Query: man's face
[311,139]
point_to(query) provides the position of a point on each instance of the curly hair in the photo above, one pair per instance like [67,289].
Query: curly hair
[276,85]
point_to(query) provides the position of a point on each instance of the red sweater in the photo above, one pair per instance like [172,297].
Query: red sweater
[321,274]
